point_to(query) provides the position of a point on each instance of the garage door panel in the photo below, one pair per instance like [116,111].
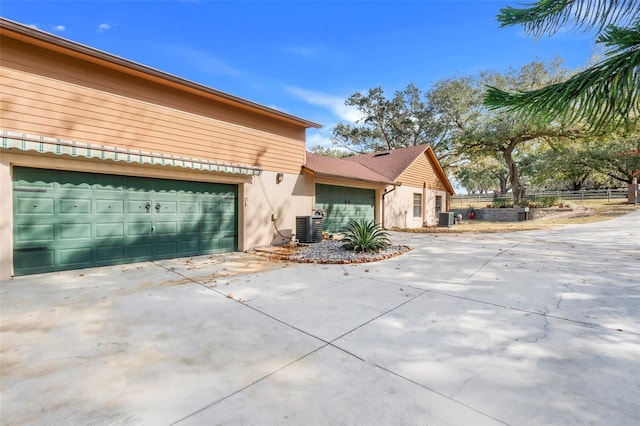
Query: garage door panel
[210,208]
[189,207]
[36,260]
[166,228]
[138,229]
[34,206]
[74,231]
[33,233]
[226,222]
[165,249]
[110,254]
[109,207]
[189,246]
[192,227]
[74,206]
[109,230]
[166,207]
[138,251]
[75,257]
[225,243]
[139,206]
[66,220]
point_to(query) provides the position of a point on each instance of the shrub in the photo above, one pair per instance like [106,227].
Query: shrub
[544,202]
[502,202]
[365,236]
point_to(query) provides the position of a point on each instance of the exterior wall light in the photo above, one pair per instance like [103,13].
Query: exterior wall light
[279,177]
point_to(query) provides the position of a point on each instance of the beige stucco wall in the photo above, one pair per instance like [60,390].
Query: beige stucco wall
[398,207]
[288,199]
[264,197]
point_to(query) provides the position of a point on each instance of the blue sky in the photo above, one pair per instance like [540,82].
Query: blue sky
[303,57]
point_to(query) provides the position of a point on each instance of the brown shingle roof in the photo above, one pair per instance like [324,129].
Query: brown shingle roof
[338,167]
[379,167]
[391,163]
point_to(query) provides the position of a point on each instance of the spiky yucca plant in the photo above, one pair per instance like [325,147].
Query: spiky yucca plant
[365,236]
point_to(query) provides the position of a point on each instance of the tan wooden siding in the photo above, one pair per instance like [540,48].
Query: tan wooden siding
[48,94]
[422,172]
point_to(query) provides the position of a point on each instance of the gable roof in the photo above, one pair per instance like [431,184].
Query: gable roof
[390,163]
[55,43]
[378,167]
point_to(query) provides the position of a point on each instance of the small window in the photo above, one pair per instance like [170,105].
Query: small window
[417,205]
[438,204]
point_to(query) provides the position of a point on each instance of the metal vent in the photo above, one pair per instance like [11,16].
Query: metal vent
[445,219]
[309,229]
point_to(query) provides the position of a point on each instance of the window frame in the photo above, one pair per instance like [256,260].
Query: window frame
[417,207]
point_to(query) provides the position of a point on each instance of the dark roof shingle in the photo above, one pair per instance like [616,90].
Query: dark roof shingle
[338,167]
[378,167]
[391,163]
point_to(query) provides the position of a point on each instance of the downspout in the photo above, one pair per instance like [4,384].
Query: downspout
[384,195]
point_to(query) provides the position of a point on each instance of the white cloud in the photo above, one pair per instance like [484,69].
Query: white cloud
[333,103]
[34,26]
[105,27]
[59,28]
[321,137]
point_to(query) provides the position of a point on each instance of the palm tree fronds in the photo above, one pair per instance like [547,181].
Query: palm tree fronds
[549,16]
[599,97]
[606,94]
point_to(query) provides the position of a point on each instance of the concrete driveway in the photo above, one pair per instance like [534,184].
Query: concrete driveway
[525,328]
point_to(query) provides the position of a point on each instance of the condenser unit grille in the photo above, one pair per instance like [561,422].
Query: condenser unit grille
[445,219]
[309,229]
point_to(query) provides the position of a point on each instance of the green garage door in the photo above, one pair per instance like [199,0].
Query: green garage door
[343,204]
[68,220]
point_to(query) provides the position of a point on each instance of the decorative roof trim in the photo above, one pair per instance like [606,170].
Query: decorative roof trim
[42,144]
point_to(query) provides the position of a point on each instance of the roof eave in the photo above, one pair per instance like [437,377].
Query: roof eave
[347,178]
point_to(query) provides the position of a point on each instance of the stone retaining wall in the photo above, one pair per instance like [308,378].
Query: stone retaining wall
[508,214]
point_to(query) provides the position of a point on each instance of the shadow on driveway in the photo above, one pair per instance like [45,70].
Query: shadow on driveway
[539,327]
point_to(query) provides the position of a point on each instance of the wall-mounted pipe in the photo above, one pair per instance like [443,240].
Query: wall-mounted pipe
[384,194]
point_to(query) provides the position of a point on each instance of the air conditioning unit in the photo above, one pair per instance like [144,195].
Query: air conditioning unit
[445,219]
[309,229]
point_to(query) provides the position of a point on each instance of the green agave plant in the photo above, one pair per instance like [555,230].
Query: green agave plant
[365,236]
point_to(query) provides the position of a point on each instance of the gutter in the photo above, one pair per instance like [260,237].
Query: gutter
[384,194]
